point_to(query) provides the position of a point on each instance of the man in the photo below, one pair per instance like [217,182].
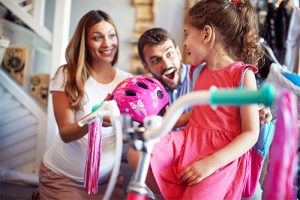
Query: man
[161,57]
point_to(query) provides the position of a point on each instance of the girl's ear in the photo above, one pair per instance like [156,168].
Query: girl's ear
[209,36]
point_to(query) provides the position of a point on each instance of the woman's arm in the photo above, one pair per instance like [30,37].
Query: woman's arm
[65,118]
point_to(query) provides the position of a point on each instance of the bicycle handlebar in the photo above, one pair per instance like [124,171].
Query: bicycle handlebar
[105,108]
[240,96]
[214,97]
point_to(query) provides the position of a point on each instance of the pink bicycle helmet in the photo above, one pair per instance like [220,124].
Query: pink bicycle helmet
[140,96]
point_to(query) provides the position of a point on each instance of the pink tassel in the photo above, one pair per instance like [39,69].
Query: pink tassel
[282,167]
[92,165]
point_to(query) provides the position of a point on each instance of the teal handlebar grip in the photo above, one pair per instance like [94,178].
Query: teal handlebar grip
[241,96]
[95,107]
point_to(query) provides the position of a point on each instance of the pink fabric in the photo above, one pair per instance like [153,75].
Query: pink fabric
[208,131]
[282,168]
[256,162]
[92,165]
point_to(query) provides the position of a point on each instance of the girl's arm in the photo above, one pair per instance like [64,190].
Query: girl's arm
[65,118]
[250,130]
[183,120]
[199,170]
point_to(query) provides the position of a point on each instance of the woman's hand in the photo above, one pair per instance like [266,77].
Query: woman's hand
[106,121]
[198,171]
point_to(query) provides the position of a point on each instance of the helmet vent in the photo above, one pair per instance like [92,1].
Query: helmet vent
[160,94]
[142,85]
[130,93]
[148,79]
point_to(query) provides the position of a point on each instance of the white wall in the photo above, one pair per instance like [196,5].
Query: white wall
[170,14]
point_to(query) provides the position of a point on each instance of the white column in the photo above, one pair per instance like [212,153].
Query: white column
[39,11]
[59,43]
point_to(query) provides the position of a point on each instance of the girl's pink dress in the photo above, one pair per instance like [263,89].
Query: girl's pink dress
[208,131]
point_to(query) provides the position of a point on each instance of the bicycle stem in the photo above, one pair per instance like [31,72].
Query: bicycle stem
[138,185]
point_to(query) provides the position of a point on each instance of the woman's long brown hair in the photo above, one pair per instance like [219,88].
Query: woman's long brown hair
[78,58]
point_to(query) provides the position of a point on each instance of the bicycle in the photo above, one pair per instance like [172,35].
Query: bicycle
[143,138]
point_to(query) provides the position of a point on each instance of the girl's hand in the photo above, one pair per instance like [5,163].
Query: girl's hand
[265,115]
[198,171]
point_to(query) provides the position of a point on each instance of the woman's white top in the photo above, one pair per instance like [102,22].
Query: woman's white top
[69,159]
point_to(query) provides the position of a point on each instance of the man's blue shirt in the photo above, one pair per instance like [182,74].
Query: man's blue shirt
[185,85]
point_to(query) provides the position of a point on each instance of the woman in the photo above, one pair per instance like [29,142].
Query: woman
[84,81]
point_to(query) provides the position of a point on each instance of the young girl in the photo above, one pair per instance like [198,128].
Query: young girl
[209,159]
[85,80]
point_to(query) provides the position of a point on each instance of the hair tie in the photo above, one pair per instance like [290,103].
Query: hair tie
[237,3]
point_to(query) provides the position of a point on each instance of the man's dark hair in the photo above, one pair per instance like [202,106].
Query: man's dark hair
[153,36]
